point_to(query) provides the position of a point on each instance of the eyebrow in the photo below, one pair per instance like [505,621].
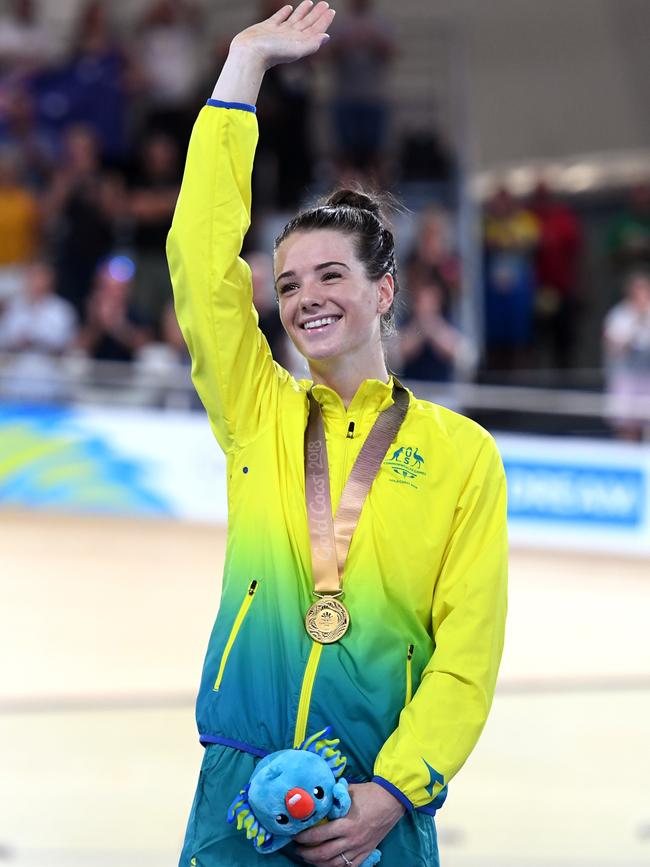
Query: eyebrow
[317,268]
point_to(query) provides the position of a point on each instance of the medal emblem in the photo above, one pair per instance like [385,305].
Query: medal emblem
[327,620]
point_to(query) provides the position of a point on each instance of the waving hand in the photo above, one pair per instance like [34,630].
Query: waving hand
[288,35]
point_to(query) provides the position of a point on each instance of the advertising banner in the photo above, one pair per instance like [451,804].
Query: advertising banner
[563,493]
[583,494]
[111,460]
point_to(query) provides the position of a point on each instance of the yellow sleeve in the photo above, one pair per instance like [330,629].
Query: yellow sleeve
[232,367]
[438,729]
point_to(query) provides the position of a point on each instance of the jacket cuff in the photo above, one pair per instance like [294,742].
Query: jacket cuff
[242,106]
[430,809]
[394,791]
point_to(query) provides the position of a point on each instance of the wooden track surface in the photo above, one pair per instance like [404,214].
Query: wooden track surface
[103,626]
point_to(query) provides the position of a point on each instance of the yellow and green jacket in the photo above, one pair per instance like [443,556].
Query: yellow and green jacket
[409,687]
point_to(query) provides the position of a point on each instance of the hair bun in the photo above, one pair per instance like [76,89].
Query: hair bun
[356,199]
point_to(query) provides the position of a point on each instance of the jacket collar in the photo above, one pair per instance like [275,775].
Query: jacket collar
[371,397]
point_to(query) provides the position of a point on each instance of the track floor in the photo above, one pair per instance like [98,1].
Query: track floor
[103,625]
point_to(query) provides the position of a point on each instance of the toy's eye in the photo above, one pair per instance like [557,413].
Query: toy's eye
[319,793]
[281,819]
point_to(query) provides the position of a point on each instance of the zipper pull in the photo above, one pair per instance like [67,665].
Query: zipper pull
[350,433]
[252,588]
[409,654]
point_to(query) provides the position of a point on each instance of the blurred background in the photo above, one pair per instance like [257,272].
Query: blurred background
[516,136]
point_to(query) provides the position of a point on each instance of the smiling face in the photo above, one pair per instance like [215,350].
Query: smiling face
[329,307]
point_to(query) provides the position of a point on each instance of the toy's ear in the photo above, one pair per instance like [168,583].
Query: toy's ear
[327,749]
[340,800]
[241,810]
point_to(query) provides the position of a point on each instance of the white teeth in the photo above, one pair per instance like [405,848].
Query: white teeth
[318,323]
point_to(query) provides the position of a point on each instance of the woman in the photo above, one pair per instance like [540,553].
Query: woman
[408,686]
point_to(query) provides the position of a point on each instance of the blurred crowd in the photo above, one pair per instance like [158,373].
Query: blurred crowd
[536,293]
[92,139]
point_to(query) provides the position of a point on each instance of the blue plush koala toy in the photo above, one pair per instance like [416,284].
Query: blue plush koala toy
[292,790]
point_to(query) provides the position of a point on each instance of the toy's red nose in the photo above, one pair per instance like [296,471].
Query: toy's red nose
[300,803]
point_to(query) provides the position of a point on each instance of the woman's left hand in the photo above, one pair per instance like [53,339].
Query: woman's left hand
[372,815]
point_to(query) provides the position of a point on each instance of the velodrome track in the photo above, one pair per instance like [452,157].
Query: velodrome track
[103,625]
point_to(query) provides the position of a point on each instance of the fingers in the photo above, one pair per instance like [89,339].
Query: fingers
[319,18]
[281,15]
[302,11]
[320,27]
[329,854]
[322,833]
[339,862]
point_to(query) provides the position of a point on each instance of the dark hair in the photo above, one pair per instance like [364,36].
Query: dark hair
[360,214]
[638,272]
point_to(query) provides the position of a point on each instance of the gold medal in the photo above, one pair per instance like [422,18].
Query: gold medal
[327,620]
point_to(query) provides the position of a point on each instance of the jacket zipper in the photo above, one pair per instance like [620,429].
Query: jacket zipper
[241,614]
[409,674]
[344,458]
[305,693]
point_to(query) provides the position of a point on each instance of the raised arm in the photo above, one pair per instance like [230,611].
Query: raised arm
[232,367]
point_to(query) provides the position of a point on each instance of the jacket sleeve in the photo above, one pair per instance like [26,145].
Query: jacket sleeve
[232,368]
[438,729]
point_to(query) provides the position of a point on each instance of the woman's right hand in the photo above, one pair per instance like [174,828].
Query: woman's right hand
[286,36]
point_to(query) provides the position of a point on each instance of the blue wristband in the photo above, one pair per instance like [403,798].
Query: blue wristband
[242,106]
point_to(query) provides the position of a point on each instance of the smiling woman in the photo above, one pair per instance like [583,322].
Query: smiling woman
[365,578]
[354,217]
[336,288]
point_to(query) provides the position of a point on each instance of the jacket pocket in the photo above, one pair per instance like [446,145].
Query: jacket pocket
[241,616]
[409,673]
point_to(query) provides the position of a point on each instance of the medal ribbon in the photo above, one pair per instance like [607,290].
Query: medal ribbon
[331,536]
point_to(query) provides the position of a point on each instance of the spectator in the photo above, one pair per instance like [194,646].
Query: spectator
[168,48]
[151,207]
[92,87]
[113,330]
[629,234]
[38,327]
[424,155]
[626,336]
[431,348]
[19,224]
[556,263]
[173,339]
[163,368]
[82,206]
[511,233]
[19,129]
[433,258]
[24,43]
[362,47]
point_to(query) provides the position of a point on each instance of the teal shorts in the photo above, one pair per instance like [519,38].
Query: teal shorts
[211,842]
